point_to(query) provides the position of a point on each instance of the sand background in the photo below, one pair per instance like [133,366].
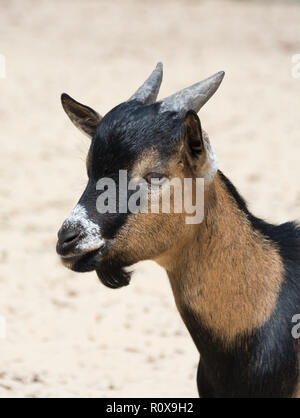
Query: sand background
[67,335]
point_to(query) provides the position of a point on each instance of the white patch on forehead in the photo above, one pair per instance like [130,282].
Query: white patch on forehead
[91,234]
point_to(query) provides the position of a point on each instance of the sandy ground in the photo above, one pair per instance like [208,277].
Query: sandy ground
[67,335]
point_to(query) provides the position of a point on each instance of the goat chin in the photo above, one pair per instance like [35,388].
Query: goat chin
[113,275]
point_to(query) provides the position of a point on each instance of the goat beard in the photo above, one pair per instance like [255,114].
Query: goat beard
[113,275]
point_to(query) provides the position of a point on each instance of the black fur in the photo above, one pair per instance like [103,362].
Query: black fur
[264,363]
[122,136]
[113,275]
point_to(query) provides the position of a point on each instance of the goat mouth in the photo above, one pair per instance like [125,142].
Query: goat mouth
[82,263]
[110,271]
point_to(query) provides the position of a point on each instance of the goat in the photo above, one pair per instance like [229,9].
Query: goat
[235,278]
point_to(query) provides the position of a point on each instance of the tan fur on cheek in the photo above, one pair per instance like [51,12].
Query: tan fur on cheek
[151,235]
[146,236]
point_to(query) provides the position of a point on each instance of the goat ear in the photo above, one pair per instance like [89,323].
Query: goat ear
[83,117]
[193,135]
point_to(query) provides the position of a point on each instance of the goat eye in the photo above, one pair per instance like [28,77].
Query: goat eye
[155,179]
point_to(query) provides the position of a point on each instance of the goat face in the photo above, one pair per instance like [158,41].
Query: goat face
[139,139]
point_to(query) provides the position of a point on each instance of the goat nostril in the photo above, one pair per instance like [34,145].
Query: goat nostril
[66,238]
[70,237]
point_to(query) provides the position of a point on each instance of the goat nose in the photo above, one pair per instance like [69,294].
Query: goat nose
[67,238]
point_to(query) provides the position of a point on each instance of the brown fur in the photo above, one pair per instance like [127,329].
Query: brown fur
[147,162]
[144,236]
[226,273]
